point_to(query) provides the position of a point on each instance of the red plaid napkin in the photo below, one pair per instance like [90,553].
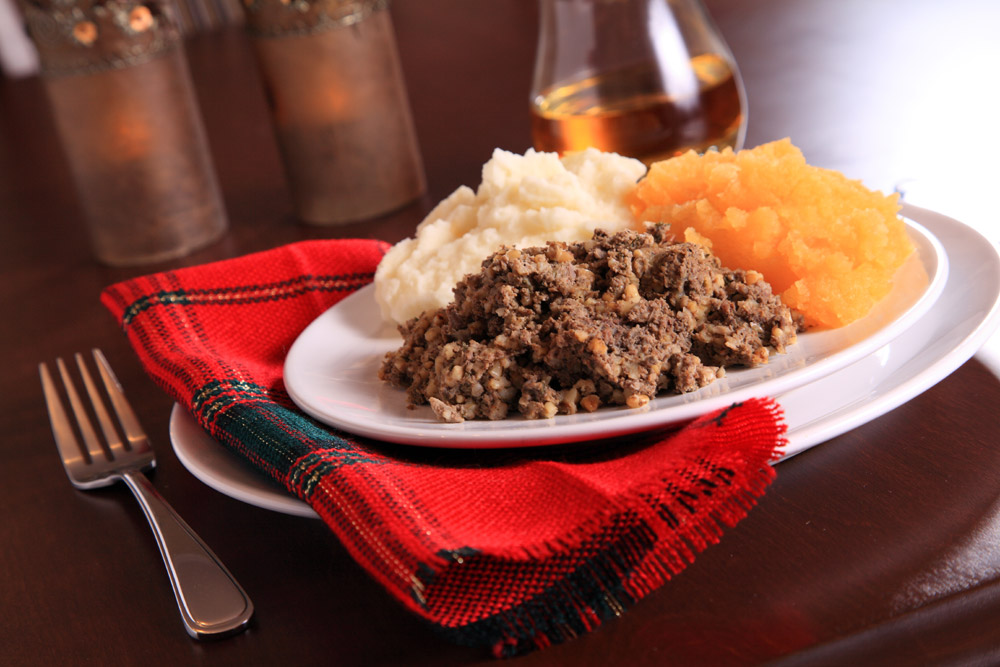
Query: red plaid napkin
[513,549]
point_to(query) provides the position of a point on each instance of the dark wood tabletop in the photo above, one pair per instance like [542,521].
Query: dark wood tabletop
[879,546]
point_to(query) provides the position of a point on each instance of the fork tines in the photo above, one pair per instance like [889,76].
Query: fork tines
[88,448]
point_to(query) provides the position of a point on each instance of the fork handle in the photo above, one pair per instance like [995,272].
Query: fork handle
[211,602]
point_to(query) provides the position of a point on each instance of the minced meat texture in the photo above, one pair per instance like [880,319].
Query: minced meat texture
[566,327]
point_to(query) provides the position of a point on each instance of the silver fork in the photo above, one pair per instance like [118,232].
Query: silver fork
[211,602]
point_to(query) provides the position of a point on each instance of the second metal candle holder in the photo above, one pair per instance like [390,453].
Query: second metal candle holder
[339,106]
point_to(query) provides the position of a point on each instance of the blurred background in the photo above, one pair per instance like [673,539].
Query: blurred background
[927,129]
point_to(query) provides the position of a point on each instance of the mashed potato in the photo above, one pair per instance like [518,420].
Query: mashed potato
[523,200]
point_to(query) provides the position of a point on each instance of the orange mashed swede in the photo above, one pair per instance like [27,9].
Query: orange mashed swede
[827,244]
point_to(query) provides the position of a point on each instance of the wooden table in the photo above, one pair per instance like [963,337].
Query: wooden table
[877,546]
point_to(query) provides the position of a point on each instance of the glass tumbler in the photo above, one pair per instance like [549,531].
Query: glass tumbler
[338,105]
[648,79]
[126,114]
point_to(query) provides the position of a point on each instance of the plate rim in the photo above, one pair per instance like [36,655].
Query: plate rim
[819,431]
[244,484]
[608,424]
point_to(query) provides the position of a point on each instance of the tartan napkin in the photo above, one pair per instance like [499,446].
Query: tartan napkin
[513,550]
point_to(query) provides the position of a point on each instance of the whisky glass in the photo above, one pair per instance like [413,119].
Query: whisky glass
[648,79]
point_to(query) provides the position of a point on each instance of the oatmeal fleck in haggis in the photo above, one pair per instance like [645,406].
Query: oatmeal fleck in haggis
[610,321]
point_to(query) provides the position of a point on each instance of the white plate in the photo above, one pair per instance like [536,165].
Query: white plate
[938,343]
[331,371]
[964,317]
[222,470]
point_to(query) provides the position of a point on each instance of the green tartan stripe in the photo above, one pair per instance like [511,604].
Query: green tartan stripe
[278,439]
[239,295]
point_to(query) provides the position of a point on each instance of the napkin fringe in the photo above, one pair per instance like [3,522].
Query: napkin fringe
[662,500]
[606,585]
[661,525]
